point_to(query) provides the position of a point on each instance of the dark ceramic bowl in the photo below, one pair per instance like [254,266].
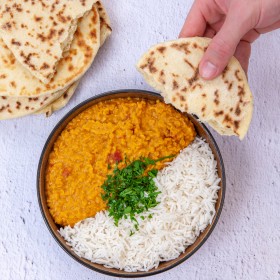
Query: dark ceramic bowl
[202,131]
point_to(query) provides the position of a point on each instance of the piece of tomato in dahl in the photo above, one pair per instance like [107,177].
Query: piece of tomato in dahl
[114,157]
[66,172]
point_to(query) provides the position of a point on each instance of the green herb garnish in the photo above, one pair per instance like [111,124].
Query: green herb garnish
[129,191]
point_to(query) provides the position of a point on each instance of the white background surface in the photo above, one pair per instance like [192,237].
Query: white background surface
[246,242]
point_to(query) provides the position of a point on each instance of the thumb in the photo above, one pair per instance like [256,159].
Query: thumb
[221,48]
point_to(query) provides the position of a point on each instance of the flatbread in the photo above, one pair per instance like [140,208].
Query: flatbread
[105,32]
[225,103]
[59,103]
[18,106]
[15,80]
[37,33]
[105,23]
[15,107]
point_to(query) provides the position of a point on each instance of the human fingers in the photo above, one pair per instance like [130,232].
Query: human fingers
[251,36]
[195,23]
[272,27]
[242,54]
[209,32]
[222,47]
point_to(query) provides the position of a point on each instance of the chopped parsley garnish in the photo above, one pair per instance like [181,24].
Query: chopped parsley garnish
[131,190]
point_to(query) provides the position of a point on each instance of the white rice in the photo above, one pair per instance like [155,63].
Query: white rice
[188,186]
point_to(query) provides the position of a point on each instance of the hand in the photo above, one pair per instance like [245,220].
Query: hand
[233,25]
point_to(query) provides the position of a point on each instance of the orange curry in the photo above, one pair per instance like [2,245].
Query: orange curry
[101,135]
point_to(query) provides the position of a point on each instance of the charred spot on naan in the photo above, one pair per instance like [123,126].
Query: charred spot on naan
[237,110]
[236,74]
[197,46]
[224,73]
[7,26]
[196,85]
[218,113]
[231,123]
[161,77]
[175,85]
[182,98]
[241,91]
[227,119]
[93,34]
[236,125]
[194,78]
[70,67]
[150,65]
[189,63]
[203,109]
[14,42]
[181,47]
[217,98]
[161,49]
[27,59]
[13,84]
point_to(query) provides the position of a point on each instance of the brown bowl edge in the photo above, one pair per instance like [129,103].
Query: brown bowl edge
[164,266]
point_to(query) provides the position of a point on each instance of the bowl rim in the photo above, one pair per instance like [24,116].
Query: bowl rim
[79,259]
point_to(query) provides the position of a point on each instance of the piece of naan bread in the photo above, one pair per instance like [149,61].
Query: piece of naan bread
[15,80]
[105,32]
[39,32]
[21,94]
[105,22]
[60,102]
[225,103]
[15,107]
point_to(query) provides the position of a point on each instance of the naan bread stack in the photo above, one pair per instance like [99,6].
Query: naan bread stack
[225,103]
[45,49]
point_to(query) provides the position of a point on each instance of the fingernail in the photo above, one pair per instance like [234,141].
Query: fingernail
[208,70]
